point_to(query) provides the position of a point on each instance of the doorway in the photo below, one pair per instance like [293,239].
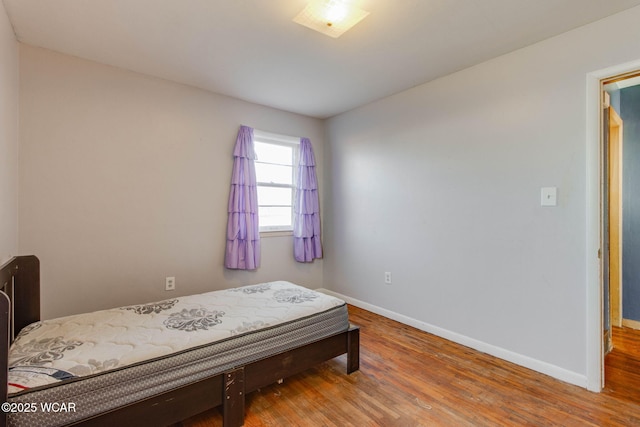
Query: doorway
[595,319]
[619,174]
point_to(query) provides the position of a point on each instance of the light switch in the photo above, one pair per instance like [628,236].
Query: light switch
[548,196]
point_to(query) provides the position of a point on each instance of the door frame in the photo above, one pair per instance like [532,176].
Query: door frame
[615,156]
[594,215]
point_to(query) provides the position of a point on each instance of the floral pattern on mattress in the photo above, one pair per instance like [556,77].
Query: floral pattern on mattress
[59,349]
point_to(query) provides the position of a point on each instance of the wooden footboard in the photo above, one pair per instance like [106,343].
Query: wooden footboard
[20,282]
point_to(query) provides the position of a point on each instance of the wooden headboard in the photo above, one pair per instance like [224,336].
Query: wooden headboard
[19,307]
[20,281]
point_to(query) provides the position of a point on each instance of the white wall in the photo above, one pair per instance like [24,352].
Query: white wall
[124,180]
[8,138]
[440,185]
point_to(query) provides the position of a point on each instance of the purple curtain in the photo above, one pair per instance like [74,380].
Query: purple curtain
[243,233]
[306,207]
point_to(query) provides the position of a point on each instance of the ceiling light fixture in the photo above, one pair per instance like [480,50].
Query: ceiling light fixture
[330,17]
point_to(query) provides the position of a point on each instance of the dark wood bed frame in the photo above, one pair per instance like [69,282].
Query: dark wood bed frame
[20,281]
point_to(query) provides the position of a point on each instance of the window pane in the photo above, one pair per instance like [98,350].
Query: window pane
[279,216]
[273,153]
[274,174]
[274,196]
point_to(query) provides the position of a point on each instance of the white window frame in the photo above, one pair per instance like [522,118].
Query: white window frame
[283,140]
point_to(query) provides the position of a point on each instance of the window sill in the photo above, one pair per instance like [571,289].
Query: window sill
[276,233]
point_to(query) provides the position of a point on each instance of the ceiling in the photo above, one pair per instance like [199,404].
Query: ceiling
[251,49]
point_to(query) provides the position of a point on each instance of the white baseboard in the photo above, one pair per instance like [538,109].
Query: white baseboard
[519,359]
[627,323]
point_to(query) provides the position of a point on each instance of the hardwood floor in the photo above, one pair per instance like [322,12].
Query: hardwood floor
[410,378]
[622,366]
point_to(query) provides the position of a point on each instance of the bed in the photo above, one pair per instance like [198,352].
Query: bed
[179,357]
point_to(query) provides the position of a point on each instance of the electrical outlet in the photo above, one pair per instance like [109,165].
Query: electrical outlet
[387,277]
[170,284]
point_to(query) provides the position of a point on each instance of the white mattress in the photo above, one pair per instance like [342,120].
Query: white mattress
[128,353]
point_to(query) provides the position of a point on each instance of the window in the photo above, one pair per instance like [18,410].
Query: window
[276,158]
